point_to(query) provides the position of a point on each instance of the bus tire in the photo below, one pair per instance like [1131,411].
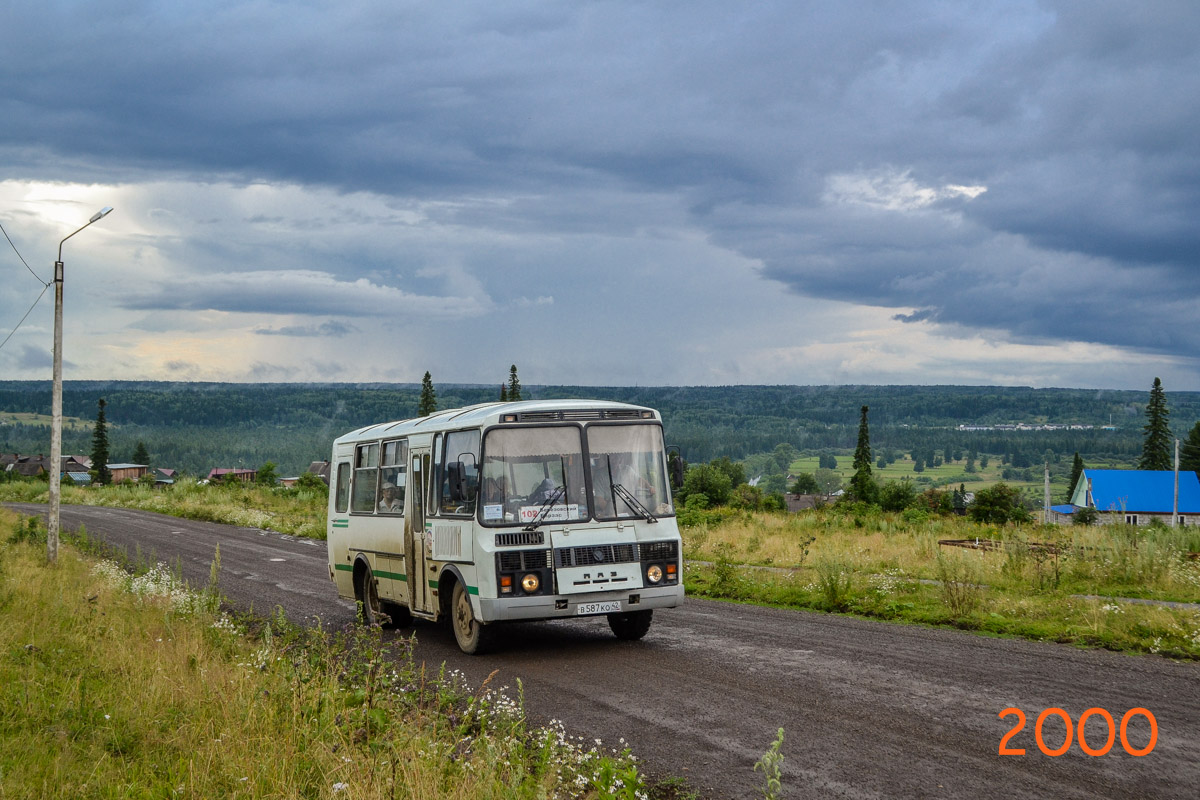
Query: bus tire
[630,625]
[370,607]
[472,636]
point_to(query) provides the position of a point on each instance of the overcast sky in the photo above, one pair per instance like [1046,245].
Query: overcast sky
[605,192]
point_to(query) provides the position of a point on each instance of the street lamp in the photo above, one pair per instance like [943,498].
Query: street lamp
[52,525]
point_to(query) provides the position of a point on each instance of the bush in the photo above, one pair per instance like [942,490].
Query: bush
[709,480]
[897,495]
[805,483]
[997,505]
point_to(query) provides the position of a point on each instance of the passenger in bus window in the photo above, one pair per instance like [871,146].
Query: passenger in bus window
[390,503]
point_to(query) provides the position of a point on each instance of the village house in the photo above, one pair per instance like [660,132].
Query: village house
[30,466]
[1137,497]
[227,474]
[123,472]
[320,469]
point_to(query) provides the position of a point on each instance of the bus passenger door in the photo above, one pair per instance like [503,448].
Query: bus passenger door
[415,547]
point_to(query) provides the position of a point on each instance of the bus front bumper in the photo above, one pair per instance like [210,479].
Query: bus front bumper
[578,605]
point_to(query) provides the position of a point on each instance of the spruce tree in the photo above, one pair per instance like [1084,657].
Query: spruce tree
[100,471]
[862,485]
[1076,471]
[504,393]
[428,402]
[1189,451]
[141,455]
[1156,448]
[514,384]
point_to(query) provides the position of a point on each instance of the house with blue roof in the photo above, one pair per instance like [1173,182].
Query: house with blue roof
[1138,496]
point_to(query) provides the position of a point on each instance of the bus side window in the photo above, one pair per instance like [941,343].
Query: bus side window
[460,473]
[393,477]
[343,487]
[366,478]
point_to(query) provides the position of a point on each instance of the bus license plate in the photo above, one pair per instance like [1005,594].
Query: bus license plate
[610,607]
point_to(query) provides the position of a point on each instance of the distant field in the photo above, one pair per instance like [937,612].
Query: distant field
[951,474]
[20,418]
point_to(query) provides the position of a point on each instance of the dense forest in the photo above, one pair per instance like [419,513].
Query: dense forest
[197,426]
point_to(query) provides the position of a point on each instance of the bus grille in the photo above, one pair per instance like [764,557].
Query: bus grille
[595,554]
[659,551]
[519,560]
[518,538]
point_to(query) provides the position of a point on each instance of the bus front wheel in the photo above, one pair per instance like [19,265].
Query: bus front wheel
[471,635]
[630,625]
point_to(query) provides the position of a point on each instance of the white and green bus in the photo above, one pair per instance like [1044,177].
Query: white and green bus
[507,511]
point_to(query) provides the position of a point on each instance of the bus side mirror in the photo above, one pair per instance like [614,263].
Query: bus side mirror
[677,467]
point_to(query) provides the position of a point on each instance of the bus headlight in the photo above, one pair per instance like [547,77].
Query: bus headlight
[654,573]
[530,583]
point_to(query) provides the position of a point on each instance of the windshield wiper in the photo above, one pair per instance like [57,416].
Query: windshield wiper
[633,502]
[540,516]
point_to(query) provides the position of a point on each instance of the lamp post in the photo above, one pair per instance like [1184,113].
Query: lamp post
[52,525]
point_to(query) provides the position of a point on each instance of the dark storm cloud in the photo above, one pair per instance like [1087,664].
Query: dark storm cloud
[824,141]
[294,292]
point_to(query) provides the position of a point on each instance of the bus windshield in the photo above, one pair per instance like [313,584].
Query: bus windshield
[529,471]
[628,464]
[525,469]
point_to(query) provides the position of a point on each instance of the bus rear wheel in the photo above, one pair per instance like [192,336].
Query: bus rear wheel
[630,625]
[370,607]
[472,636]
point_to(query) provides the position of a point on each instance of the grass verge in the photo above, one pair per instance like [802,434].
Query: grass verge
[299,512]
[892,567]
[116,685]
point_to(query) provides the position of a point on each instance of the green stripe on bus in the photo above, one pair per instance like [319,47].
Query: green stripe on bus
[396,576]
[341,523]
[344,567]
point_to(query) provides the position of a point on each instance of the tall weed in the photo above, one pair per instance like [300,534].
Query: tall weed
[835,582]
[961,591]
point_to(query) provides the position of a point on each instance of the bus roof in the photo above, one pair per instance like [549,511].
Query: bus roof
[484,414]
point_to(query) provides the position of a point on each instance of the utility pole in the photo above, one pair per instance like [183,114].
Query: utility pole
[52,519]
[1175,503]
[1046,499]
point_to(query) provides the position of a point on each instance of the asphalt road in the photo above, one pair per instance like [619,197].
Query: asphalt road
[870,710]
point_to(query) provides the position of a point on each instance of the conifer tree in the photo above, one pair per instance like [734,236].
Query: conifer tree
[100,471]
[1076,471]
[428,402]
[504,393]
[1189,451]
[862,485]
[514,384]
[141,455]
[1156,448]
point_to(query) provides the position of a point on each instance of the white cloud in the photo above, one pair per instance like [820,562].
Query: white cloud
[891,190]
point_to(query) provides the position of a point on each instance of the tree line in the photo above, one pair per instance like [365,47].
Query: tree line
[196,426]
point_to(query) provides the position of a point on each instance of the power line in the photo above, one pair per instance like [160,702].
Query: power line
[27,313]
[18,252]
